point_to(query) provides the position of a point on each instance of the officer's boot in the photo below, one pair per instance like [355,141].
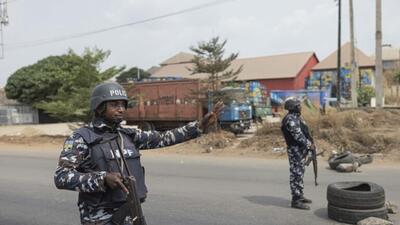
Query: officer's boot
[305,200]
[299,204]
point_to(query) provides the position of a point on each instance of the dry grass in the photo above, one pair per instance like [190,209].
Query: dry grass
[360,131]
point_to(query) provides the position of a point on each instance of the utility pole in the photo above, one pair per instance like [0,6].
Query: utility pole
[378,54]
[338,89]
[3,22]
[138,73]
[354,65]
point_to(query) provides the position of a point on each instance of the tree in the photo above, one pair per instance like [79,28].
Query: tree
[209,59]
[133,73]
[61,85]
[396,79]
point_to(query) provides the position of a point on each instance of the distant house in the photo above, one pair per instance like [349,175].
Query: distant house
[324,74]
[277,72]
[390,58]
[13,112]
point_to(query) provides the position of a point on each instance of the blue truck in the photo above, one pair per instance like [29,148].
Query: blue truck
[237,114]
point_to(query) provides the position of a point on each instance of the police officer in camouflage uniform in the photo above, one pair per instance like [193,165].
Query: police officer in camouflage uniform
[294,130]
[87,163]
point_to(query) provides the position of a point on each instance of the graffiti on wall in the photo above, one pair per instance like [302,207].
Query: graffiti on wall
[313,99]
[326,80]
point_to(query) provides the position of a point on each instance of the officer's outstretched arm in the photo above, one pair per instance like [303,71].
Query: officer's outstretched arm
[155,139]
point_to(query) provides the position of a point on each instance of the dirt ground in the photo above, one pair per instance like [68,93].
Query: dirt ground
[365,132]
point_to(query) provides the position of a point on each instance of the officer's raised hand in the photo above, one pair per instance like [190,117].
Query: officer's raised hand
[114,180]
[210,119]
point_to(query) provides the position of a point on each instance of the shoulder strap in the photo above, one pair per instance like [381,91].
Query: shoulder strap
[88,134]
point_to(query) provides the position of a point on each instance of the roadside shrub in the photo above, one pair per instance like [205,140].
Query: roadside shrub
[364,95]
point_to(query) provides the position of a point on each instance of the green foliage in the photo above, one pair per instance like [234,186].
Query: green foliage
[61,85]
[210,59]
[365,94]
[132,74]
[396,76]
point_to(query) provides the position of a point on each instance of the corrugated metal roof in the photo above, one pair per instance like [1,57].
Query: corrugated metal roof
[389,54]
[181,57]
[330,62]
[265,67]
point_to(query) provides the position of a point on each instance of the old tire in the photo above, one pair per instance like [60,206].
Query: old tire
[354,215]
[356,195]
[365,159]
[344,158]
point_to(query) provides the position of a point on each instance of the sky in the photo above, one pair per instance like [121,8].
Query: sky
[251,27]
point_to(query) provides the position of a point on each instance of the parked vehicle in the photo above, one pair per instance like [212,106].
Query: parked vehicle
[237,114]
[163,105]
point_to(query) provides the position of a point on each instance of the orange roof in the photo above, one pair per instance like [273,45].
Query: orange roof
[256,68]
[330,62]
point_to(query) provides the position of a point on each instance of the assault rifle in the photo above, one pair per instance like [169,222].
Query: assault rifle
[312,152]
[131,211]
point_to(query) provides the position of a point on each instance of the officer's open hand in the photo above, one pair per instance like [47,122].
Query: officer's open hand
[114,180]
[211,118]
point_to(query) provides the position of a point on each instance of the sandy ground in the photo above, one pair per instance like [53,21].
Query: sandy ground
[51,138]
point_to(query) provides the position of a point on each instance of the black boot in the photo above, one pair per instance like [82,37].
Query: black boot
[298,204]
[305,200]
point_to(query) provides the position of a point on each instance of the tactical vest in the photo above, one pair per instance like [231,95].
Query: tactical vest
[288,136]
[103,158]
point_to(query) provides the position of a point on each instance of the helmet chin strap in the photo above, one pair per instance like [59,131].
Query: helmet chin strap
[296,110]
[112,123]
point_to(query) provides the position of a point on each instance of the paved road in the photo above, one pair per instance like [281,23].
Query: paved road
[184,190]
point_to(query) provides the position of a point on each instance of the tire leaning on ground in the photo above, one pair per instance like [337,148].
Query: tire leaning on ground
[365,159]
[344,158]
[354,215]
[356,195]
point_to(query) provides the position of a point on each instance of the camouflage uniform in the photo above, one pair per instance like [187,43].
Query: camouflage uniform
[297,144]
[76,171]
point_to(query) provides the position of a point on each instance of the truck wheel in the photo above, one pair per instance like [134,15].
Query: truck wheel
[352,216]
[145,126]
[356,195]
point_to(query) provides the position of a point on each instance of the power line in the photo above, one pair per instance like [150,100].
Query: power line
[79,35]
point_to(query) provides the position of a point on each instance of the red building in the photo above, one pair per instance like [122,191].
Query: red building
[278,72]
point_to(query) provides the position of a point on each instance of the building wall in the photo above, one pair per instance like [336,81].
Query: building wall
[304,73]
[18,114]
[278,84]
[296,83]
[327,80]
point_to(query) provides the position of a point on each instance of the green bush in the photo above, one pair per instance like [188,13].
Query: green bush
[364,95]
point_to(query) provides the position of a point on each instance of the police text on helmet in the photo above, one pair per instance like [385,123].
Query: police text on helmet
[118,92]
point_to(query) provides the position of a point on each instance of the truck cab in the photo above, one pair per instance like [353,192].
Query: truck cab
[237,113]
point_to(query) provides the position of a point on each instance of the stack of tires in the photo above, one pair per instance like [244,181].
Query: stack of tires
[350,202]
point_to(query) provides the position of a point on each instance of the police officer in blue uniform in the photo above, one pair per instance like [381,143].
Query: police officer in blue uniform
[294,131]
[87,163]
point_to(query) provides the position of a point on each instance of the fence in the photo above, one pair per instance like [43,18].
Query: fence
[18,114]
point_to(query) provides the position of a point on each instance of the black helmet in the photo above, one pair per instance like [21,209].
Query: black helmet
[108,91]
[292,104]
